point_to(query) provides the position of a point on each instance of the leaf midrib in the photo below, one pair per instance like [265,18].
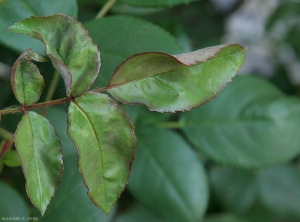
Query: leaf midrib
[166,176]
[98,141]
[173,70]
[35,163]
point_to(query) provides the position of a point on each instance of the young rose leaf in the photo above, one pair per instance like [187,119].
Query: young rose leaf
[166,83]
[104,137]
[40,154]
[69,47]
[27,82]
[11,159]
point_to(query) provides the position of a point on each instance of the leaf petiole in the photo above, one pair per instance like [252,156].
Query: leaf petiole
[6,134]
[105,8]
[170,125]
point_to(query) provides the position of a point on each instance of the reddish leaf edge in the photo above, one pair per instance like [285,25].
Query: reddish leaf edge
[25,55]
[175,57]
[67,79]
[131,162]
[61,171]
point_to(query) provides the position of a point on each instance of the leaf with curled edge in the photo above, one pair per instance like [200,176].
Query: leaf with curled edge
[69,47]
[40,154]
[27,82]
[104,137]
[167,83]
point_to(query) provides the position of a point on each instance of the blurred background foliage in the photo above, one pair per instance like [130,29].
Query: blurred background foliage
[213,184]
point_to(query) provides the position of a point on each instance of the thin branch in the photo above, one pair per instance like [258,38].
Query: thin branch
[170,125]
[34,106]
[108,5]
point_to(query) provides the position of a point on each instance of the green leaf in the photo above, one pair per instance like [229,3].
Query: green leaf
[11,159]
[166,83]
[11,203]
[74,55]
[105,139]
[16,10]
[137,213]
[279,190]
[40,153]
[156,3]
[70,202]
[26,80]
[289,9]
[128,36]
[225,218]
[1,166]
[250,124]
[236,190]
[167,177]
[141,116]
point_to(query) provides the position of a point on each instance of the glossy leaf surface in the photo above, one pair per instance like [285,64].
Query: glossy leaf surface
[250,124]
[129,36]
[26,80]
[167,177]
[40,153]
[166,83]
[74,55]
[156,3]
[70,202]
[11,203]
[13,11]
[105,139]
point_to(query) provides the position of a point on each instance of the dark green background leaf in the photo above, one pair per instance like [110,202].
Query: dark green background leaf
[105,139]
[15,10]
[167,177]
[39,150]
[137,213]
[127,36]
[156,3]
[11,203]
[235,189]
[250,124]
[279,190]
[166,83]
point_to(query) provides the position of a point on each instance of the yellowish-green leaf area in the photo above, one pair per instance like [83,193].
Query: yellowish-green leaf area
[166,83]
[40,153]
[69,47]
[27,82]
[11,159]
[104,137]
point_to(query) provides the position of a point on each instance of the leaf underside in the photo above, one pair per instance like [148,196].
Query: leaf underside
[104,137]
